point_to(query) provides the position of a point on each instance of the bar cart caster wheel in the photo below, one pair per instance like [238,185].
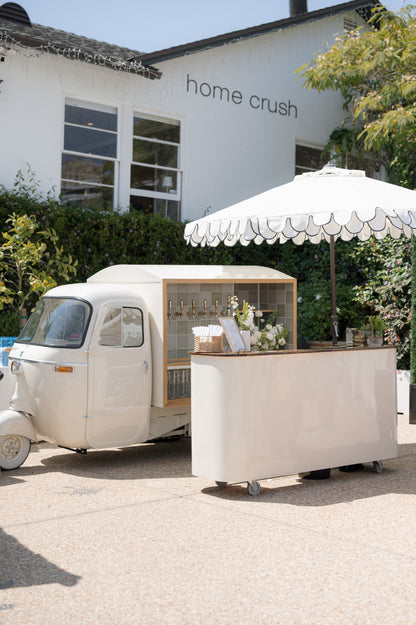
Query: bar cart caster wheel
[378,466]
[221,484]
[253,488]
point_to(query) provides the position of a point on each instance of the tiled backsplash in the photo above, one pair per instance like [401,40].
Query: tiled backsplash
[212,300]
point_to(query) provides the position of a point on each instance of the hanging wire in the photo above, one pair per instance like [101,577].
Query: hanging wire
[76,54]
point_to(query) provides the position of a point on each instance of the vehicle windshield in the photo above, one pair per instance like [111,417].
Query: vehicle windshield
[57,322]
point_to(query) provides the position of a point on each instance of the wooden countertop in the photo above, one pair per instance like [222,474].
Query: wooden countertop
[287,352]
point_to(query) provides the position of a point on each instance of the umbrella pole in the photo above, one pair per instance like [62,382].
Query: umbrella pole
[334,318]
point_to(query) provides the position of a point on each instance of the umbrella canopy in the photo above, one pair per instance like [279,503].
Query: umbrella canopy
[326,205]
[315,206]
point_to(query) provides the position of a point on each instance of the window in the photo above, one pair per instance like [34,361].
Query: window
[89,158]
[309,159]
[122,327]
[57,321]
[350,23]
[155,177]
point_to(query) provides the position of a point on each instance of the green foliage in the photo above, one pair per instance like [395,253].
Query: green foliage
[413,324]
[314,306]
[25,262]
[374,71]
[314,293]
[386,267]
[98,237]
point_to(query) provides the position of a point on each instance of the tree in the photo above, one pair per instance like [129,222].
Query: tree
[26,264]
[375,71]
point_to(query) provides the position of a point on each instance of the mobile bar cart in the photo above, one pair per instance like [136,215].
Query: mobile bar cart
[263,415]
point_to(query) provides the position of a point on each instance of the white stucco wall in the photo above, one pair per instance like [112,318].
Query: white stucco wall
[230,150]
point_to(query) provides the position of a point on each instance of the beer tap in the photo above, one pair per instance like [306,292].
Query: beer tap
[191,313]
[203,313]
[180,314]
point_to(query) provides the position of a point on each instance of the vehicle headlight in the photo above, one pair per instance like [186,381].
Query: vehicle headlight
[15,367]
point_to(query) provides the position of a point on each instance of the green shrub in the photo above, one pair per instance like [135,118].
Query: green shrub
[97,237]
[386,268]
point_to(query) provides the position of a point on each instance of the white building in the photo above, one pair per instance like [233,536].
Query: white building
[180,131]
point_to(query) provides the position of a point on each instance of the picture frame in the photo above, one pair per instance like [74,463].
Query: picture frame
[231,331]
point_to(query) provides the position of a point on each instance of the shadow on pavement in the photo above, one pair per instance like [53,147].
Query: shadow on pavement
[156,460]
[397,477]
[22,567]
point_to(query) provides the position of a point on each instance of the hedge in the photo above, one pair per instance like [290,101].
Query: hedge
[99,237]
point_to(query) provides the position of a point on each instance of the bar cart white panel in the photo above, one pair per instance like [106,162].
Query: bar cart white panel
[256,416]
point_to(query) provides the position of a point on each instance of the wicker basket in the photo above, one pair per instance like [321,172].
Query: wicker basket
[208,343]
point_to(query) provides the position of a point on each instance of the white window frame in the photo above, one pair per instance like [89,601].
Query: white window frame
[159,195]
[96,106]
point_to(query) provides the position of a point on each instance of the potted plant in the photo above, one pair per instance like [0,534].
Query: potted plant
[374,331]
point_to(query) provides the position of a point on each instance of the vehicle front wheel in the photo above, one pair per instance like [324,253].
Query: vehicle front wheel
[14,450]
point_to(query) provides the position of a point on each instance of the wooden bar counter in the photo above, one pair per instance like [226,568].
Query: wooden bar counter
[262,415]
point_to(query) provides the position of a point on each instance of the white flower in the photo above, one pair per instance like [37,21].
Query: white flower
[270,338]
[255,337]
[318,296]
[300,299]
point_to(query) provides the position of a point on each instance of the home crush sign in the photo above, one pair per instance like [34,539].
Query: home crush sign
[284,108]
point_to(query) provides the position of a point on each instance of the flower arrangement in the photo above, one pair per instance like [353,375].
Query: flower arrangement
[245,318]
[270,337]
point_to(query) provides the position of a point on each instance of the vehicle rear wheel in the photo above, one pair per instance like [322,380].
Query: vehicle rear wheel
[14,450]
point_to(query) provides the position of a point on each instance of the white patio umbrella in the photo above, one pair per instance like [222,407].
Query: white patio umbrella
[329,204]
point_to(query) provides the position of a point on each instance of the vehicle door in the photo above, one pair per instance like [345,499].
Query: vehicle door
[119,376]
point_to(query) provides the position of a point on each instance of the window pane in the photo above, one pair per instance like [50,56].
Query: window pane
[308,158]
[87,169]
[57,321]
[156,130]
[89,117]
[80,193]
[155,153]
[167,208]
[153,179]
[90,141]
[149,205]
[132,327]
[142,204]
[110,334]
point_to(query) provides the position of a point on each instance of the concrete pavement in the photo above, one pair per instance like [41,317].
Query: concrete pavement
[131,537]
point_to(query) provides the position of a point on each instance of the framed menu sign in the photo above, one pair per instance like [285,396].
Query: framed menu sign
[232,333]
